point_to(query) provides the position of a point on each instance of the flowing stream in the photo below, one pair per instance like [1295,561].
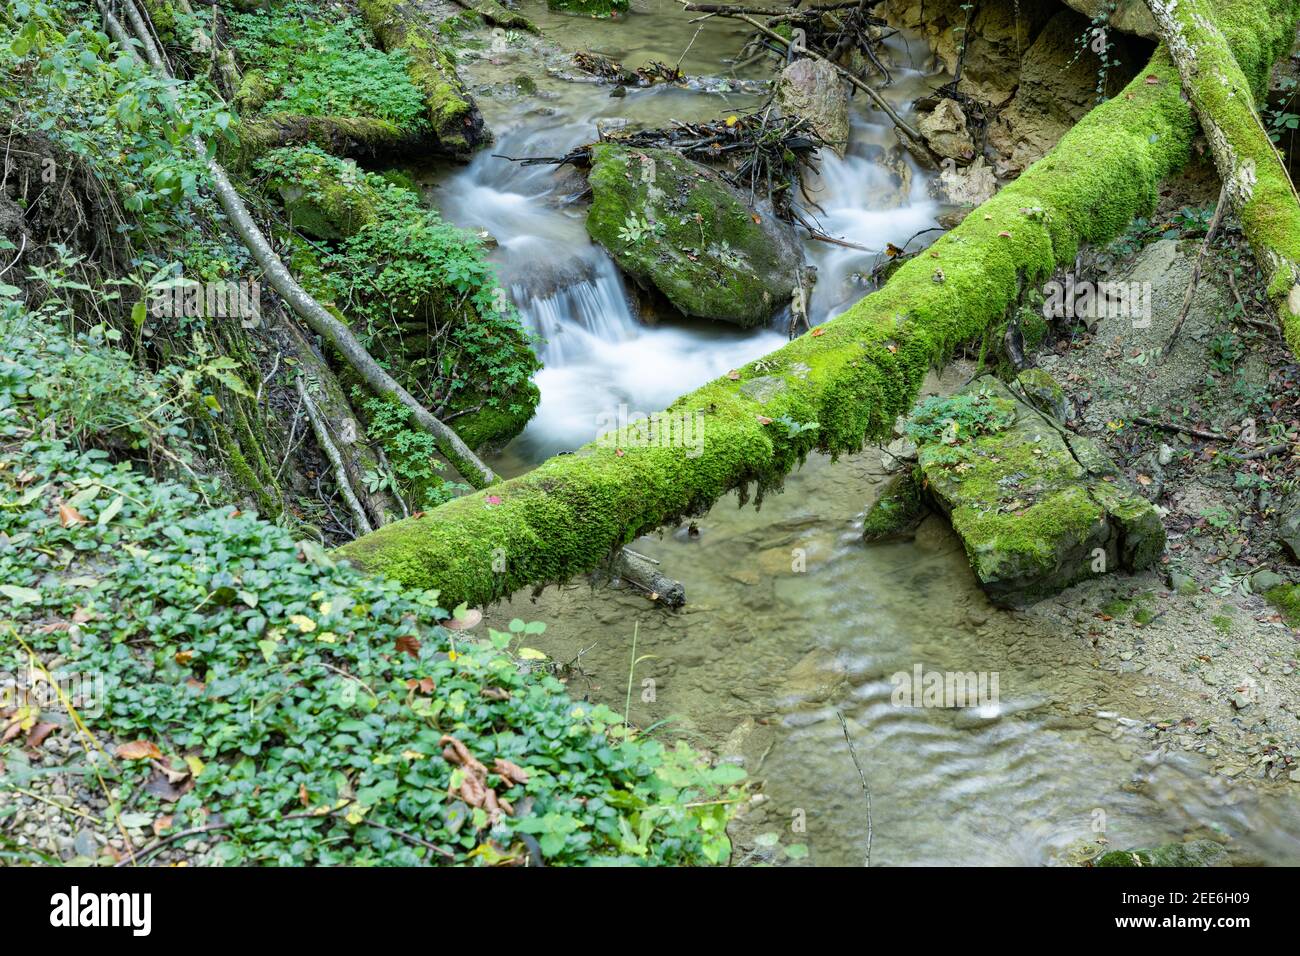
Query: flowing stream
[790,620]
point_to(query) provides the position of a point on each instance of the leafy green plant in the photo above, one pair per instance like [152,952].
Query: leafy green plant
[321,68]
[305,713]
[957,417]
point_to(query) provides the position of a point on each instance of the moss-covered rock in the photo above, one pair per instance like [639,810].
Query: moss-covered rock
[1043,392]
[678,227]
[391,263]
[895,515]
[1033,519]
[592,8]
[1194,853]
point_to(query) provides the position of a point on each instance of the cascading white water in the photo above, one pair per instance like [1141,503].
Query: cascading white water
[598,357]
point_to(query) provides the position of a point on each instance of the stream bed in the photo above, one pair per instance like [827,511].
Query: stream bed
[790,620]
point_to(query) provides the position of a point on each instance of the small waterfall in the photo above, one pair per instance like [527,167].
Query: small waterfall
[597,355]
[572,317]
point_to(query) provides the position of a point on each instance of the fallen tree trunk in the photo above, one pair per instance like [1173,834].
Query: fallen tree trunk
[455,117]
[852,376]
[1254,178]
[317,317]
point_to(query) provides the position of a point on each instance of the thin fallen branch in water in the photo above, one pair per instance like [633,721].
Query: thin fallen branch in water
[866,790]
[900,124]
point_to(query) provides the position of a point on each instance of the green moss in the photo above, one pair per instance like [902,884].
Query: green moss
[1195,853]
[325,197]
[340,135]
[677,226]
[1117,607]
[1231,79]
[1286,598]
[1222,623]
[864,370]
[452,112]
[1043,392]
[592,8]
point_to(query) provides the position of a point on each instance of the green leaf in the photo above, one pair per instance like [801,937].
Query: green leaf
[20,595]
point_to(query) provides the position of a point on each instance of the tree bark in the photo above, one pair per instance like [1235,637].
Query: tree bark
[1255,180]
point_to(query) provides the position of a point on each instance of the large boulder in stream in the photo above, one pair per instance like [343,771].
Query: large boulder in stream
[1037,508]
[678,227]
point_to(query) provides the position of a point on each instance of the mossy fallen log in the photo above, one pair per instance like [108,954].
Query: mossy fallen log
[352,136]
[852,376]
[1255,180]
[457,122]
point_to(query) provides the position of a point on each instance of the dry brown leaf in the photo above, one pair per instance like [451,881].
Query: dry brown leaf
[510,771]
[70,516]
[138,750]
[457,753]
[36,736]
[409,644]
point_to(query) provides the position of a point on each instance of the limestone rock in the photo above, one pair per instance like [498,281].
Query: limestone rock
[1033,519]
[1128,16]
[1058,85]
[944,128]
[897,513]
[1042,392]
[968,186]
[812,90]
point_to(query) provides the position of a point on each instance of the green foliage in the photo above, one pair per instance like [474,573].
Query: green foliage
[412,454]
[107,109]
[420,288]
[307,702]
[957,417]
[319,67]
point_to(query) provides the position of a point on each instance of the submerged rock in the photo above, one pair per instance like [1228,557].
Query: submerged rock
[898,512]
[1195,853]
[678,227]
[812,90]
[1034,514]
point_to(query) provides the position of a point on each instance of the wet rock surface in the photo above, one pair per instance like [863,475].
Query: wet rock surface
[1033,518]
[678,227]
[812,90]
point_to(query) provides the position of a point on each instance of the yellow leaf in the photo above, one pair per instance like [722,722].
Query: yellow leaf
[305,624]
[531,654]
[732,119]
